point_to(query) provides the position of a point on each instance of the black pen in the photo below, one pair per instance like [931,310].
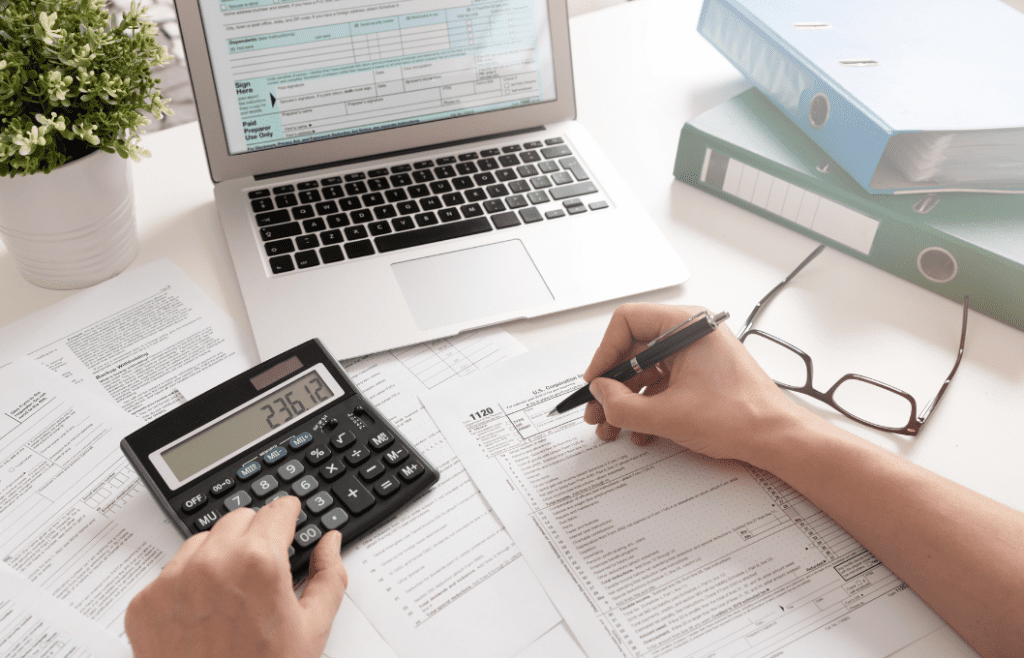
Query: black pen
[659,349]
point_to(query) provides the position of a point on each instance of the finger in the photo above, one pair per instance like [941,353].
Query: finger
[328,579]
[593,414]
[275,523]
[234,523]
[608,432]
[642,439]
[187,550]
[623,407]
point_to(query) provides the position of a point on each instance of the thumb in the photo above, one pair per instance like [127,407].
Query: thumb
[622,407]
[327,582]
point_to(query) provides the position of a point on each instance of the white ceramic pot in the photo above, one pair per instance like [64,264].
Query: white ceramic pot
[73,227]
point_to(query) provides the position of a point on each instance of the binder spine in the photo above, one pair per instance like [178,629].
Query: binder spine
[911,250]
[824,112]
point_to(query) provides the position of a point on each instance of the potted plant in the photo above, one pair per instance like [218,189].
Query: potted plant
[73,85]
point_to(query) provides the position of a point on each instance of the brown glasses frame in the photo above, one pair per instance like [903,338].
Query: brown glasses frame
[915,421]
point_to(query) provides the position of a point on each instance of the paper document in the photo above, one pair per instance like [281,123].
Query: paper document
[443,578]
[659,551]
[135,339]
[77,522]
[31,627]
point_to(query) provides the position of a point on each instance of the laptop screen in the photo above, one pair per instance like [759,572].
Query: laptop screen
[291,71]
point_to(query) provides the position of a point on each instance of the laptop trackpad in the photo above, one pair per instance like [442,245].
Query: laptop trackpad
[470,284]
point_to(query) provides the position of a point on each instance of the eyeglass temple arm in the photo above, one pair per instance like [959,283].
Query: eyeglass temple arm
[771,293]
[942,389]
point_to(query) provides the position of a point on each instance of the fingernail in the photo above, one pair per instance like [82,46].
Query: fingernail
[595,390]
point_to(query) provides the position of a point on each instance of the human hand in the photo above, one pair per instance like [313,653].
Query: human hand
[227,593]
[711,397]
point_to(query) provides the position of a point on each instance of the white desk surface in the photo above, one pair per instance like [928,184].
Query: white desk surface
[641,72]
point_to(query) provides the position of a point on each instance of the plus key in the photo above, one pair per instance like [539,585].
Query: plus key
[353,495]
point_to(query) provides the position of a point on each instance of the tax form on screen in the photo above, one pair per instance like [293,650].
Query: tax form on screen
[290,71]
[658,551]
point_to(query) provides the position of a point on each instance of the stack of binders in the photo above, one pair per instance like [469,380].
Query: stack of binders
[893,132]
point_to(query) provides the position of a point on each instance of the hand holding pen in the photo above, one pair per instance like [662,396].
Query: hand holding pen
[711,397]
[668,343]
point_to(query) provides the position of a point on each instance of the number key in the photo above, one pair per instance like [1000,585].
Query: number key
[240,499]
[264,485]
[317,455]
[307,536]
[319,502]
[291,470]
[305,486]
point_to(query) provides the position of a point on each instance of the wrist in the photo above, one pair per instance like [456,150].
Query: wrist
[785,438]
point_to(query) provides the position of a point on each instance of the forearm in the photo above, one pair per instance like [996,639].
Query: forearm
[960,551]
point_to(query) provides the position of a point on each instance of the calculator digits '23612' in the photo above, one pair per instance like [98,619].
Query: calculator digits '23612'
[293,425]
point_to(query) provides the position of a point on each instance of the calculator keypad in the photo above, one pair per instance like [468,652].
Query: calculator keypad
[349,475]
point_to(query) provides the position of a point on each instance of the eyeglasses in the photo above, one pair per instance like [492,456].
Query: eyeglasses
[863,399]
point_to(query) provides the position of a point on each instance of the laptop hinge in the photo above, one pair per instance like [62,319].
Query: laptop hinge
[381,156]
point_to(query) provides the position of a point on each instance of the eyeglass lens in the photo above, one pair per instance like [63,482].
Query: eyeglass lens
[864,400]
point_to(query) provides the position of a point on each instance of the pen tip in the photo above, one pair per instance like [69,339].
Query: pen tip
[554,412]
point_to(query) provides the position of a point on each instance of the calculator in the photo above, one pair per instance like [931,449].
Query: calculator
[294,425]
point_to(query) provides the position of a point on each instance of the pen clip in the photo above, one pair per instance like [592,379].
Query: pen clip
[704,313]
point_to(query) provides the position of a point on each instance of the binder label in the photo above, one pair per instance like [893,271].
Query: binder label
[788,201]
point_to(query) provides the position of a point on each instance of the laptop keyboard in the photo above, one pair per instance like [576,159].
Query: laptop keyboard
[327,220]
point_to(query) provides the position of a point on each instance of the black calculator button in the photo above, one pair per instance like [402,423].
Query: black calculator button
[279,494]
[371,471]
[411,471]
[291,552]
[206,521]
[353,495]
[357,456]
[264,486]
[305,486]
[193,504]
[343,441]
[236,500]
[249,470]
[317,455]
[387,486]
[222,487]
[302,518]
[396,455]
[381,441]
[276,454]
[291,470]
[300,440]
[334,519]
[319,502]
[332,470]
[308,536]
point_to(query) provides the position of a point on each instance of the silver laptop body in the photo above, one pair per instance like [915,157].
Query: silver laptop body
[341,138]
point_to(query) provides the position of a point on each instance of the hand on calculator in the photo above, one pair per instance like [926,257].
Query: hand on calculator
[228,592]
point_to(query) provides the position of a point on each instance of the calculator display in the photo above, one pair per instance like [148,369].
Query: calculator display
[246,425]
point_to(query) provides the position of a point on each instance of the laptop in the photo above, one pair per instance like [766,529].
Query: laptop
[391,173]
